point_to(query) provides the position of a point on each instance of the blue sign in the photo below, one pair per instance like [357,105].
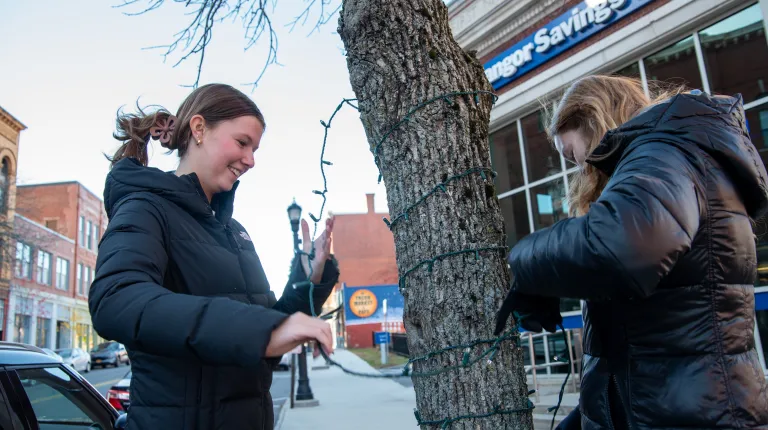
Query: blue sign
[380,337]
[563,33]
[366,305]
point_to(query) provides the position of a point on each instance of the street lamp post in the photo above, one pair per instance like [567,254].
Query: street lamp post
[303,392]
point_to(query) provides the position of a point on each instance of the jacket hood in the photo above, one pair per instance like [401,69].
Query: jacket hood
[714,124]
[128,176]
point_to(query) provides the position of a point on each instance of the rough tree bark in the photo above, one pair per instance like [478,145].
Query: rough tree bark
[401,53]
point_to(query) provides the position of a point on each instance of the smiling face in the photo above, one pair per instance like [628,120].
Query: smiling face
[224,154]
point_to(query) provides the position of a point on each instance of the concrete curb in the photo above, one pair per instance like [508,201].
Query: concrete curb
[283,411]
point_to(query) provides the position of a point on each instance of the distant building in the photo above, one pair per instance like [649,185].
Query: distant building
[59,228]
[10,132]
[365,250]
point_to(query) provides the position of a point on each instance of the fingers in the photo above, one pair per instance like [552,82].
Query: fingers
[306,240]
[324,337]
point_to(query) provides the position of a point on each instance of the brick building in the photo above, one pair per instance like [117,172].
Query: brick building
[59,230]
[10,132]
[365,250]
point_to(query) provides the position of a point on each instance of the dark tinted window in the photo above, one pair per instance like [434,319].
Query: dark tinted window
[60,402]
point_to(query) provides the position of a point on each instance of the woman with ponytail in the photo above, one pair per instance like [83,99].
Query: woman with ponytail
[178,280]
[661,247]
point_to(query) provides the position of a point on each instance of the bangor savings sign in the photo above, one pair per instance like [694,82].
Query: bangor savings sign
[563,33]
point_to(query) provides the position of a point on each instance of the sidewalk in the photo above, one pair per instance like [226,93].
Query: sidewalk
[351,402]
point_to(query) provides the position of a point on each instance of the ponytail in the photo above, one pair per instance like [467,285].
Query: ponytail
[134,130]
[214,102]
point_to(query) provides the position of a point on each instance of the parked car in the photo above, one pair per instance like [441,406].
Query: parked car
[76,358]
[119,396]
[45,393]
[109,353]
[52,354]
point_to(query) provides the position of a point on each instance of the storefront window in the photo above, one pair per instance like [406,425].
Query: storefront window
[631,71]
[43,332]
[505,158]
[676,65]
[736,55]
[23,326]
[762,330]
[757,124]
[541,157]
[514,209]
[63,334]
[548,203]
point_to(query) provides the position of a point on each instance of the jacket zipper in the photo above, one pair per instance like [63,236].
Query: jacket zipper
[608,401]
[621,399]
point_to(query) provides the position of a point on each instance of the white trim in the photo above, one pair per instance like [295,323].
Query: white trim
[48,230]
[761,290]
[643,77]
[700,61]
[571,313]
[525,175]
[759,346]
[651,32]
[755,103]
[764,8]
[512,192]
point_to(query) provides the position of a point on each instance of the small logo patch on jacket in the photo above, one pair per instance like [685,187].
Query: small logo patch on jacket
[245,236]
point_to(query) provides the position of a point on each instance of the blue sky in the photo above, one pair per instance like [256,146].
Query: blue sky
[68,67]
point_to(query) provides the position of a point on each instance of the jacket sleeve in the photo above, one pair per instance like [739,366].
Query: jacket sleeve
[297,299]
[129,304]
[629,240]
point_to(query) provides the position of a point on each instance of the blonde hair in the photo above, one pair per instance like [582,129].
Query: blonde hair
[593,105]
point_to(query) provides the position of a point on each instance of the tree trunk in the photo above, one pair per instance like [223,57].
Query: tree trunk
[401,53]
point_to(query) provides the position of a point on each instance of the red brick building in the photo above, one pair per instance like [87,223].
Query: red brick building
[59,228]
[10,133]
[365,250]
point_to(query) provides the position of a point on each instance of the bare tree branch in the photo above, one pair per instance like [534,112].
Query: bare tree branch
[254,14]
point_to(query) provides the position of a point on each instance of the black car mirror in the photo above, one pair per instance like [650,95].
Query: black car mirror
[121,421]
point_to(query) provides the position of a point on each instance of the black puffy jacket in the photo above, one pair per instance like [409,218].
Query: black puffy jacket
[179,283]
[666,261]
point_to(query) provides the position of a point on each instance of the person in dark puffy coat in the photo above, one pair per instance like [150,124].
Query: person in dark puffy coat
[661,248]
[178,280]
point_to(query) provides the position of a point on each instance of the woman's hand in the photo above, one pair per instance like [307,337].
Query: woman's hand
[297,329]
[322,247]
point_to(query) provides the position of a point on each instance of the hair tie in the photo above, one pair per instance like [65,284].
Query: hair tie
[163,130]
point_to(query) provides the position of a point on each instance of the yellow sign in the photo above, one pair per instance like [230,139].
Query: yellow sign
[363,303]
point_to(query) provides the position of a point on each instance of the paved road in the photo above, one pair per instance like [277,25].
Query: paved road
[103,379]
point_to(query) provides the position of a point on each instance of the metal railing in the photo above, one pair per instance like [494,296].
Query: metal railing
[533,367]
[400,347]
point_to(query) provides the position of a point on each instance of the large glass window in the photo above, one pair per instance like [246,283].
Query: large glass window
[62,273]
[43,332]
[631,71]
[43,269]
[736,55]
[676,64]
[23,261]
[549,203]
[514,209]
[60,402]
[23,326]
[505,158]
[541,157]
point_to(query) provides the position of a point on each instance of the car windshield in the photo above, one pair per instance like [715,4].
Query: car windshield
[65,353]
[106,347]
